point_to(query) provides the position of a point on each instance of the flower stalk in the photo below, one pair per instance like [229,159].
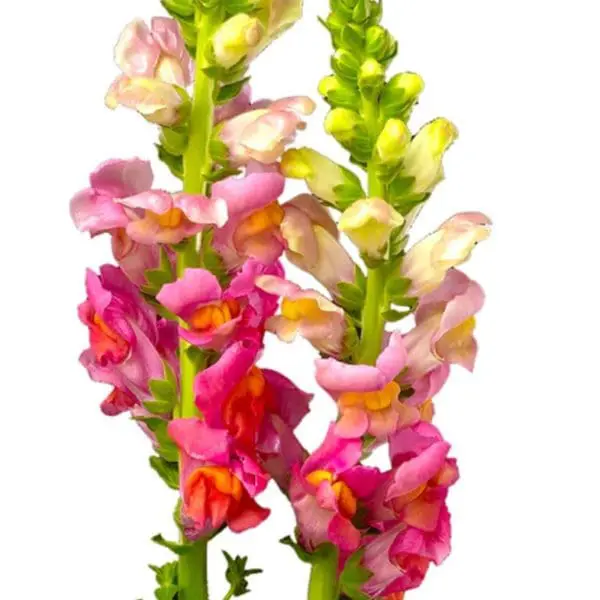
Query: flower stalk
[193,565]
[323,584]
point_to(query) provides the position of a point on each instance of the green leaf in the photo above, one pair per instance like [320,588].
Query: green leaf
[360,279]
[301,553]
[222,173]
[230,91]
[351,293]
[354,576]
[237,574]
[165,447]
[397,243]
[173,162]
[167,471]
[167,579]
[164,391]
[163,274]
[179,549]
[392,316]
[352,39]
[396,288]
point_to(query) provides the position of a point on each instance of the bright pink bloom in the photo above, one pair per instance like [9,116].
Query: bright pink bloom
[312,243]
[215,316]
[262,133]
[250,402]
[117,402]
[218,482]
[159,217]
[326,491]
[124,334]
[253,228]
[444,327]
[368,396]
[410,507]
[307,313]
[95,209]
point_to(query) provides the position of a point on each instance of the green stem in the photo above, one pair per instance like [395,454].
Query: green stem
[323,583]
[373,323]
[193,571]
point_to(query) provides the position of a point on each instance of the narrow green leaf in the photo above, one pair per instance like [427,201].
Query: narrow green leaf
[167,471]
[179,549]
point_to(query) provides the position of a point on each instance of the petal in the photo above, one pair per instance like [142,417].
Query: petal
[96,212]
[335,454]
[202,210]
[195,288]
[123,177]
[136,51]
[353,423]
[250,193]
[199,441]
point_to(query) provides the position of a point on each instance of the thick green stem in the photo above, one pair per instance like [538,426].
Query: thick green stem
[193,570]
[193,573]
[373,323]
[323,583]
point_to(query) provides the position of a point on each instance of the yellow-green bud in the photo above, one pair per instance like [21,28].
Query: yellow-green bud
[371,78]
[326,179]
[392,142]
[339,93]
[400,94]
[345,65]
[342,123]
[369,223]
[423,159]
[236,38]
[379,43]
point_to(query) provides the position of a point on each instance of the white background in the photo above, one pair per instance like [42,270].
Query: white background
[520,79]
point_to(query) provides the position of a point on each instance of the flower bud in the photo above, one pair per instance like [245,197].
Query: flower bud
[338,93]
[423,159]
[427,262]
[331,182]
[392,142]
[400,94]
[158,102]
[371,78]
[380,44]
[345,65]
[342,123]
[369,223]
[236,38]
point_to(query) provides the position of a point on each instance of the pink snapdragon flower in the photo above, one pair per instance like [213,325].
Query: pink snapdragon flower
[326,492]
[218,482]
[253,227]
[153,60]
[262,133]
[157,217]
[410,509]
[312,242]
[215,316]
[249,402]
[368,396]
[124,336]
[305,312]
[445,320]
[95,209]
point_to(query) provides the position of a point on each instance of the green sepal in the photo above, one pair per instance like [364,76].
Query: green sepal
[173,162]
[163,274]
[174,140]
[234,7]
[354,576]
[347,194]
[177,548]
[165,447]
[167,471]
[345,65]
[228,92]
[211,259]
[301,553]
[352,39]
[351,298]
[393,316]
[182,10]
[167,580]
[222,173]
[237,574]
[396,288]
[397,243]
[360,279]
[351,339]
[165,393]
